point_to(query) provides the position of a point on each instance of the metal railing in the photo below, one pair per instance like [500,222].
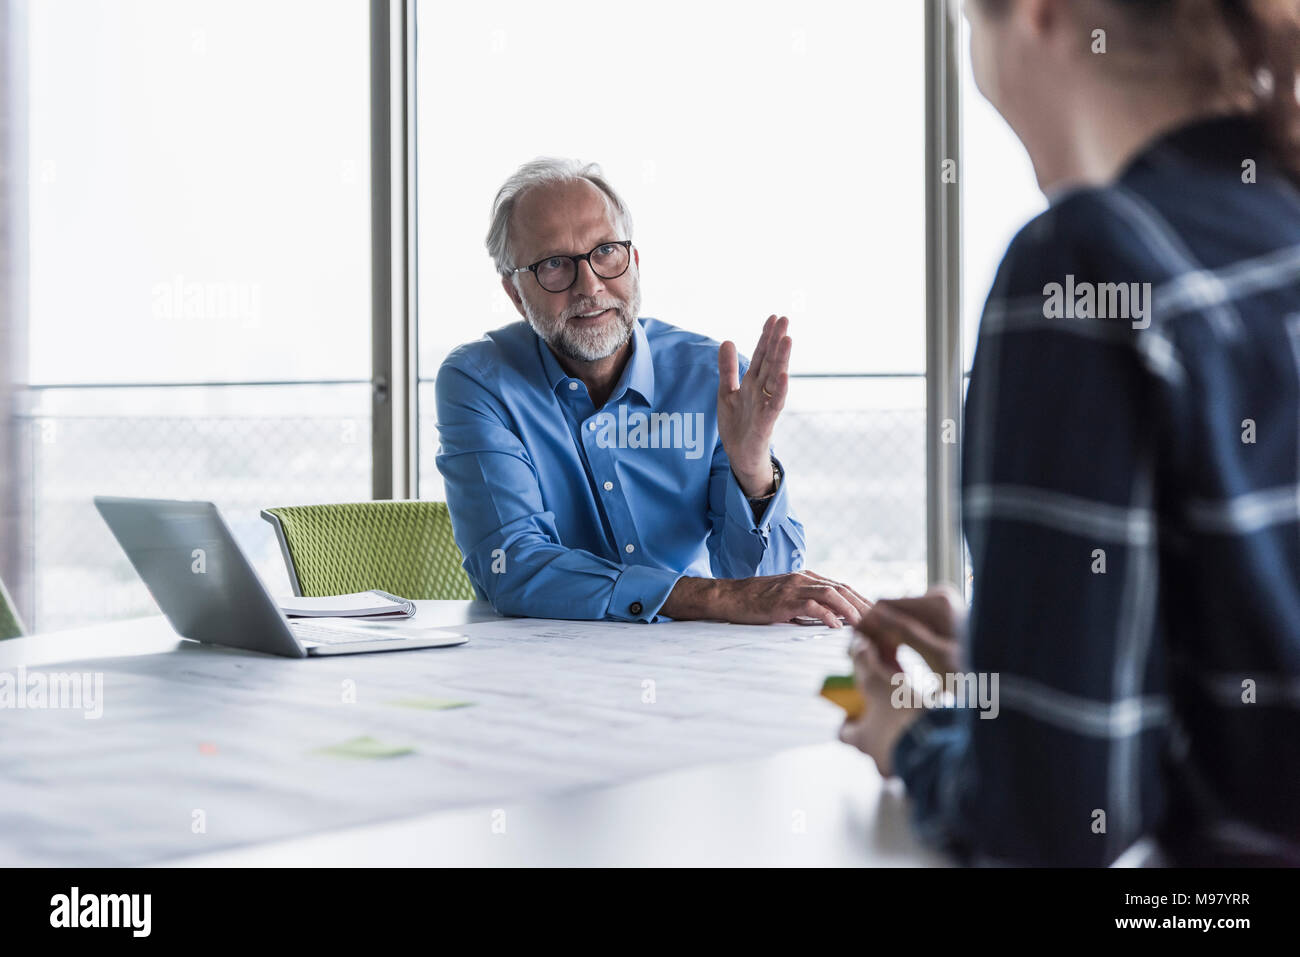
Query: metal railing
[857,477]
[100,440]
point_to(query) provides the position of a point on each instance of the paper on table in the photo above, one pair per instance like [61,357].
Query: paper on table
[558,705]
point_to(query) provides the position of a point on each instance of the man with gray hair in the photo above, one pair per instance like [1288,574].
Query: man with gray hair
[573,445]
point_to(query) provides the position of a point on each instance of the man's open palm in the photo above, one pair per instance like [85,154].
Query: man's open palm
[748,410]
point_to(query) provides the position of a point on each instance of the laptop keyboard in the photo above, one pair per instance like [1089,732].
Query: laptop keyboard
[326,635]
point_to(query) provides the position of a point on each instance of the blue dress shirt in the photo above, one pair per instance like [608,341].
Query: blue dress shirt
[563,510]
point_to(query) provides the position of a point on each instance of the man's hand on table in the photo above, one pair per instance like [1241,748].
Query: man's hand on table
[932,625]
[748,409]
[766,599]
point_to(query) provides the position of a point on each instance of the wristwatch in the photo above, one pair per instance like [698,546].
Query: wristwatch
[776,485]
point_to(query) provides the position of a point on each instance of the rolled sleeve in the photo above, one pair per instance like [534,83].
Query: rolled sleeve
[741,545]
[740,511]
[927,757]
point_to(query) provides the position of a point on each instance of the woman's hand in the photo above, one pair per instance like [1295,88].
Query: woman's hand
[877,729]
[932,625]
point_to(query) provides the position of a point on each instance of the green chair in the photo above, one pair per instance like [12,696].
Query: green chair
[405,548]
[11,626]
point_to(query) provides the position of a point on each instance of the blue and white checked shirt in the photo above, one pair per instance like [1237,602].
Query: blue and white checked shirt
[1161,688]
[563,510]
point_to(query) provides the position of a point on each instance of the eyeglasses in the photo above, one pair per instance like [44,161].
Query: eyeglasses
[559,273]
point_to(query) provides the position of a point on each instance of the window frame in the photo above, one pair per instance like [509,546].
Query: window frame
[395,380]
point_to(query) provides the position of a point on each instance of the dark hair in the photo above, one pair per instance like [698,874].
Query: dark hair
[1268,37]
[1259,68]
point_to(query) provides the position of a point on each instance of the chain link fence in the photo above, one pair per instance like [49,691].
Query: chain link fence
[854,452]
[858,486]
[857,476]
[243,462]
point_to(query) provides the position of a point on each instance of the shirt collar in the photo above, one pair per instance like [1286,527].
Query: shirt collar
[1221,139]
[638,375]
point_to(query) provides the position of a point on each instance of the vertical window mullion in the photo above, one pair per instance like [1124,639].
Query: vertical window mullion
[944,555]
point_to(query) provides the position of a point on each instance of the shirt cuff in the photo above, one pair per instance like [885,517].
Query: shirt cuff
[640,592]
[740,511]
[918,747]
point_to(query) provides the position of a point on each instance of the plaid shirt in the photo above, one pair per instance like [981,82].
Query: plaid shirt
[1131,499]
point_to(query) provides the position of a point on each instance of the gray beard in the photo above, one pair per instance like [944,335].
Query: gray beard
[587,345]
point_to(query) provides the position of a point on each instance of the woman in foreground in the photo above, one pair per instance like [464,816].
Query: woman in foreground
[1131,463]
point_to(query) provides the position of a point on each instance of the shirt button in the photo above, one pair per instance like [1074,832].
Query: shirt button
[634,608]
[591,426]
[573,387]
[609,486]
[629,548]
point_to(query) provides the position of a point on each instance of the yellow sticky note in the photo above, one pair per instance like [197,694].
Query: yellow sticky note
[840,690]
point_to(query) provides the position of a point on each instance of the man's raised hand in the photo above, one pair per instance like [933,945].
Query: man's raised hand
[748,410]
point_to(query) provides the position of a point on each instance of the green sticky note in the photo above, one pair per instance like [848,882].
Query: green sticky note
[429,704]
[365,748]
[837,682]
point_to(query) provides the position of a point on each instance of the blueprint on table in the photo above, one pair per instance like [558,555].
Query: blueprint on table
[202,748]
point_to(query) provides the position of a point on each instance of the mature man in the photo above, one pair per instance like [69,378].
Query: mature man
[599,465]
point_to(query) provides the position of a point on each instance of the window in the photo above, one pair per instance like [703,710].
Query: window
[197,281]
[792,137]
[188,248]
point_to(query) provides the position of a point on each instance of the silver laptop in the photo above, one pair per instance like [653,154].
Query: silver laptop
[209,591]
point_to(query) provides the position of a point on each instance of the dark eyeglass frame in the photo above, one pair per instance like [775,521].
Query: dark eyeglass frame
[625,243]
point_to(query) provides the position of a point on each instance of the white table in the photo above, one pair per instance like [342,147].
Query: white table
[822,804]
[817,806]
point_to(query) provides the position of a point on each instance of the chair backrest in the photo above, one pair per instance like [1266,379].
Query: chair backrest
[11,626]
[403,547]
